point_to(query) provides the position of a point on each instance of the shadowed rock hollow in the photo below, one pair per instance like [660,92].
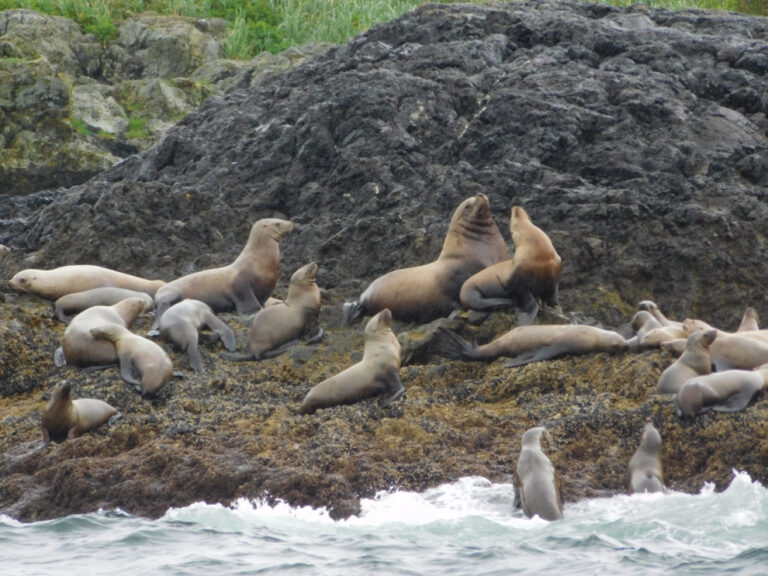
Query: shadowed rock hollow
[636,138]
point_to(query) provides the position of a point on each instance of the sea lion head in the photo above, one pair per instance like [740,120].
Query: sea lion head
[517,216]
[648,306]
[23,281]
[275,228]
[532,436]
[472,211]
[62,392]
[307,274]
[380,322]
[641,317]
[130,308]
[650,441]
[703,338]
[689,400]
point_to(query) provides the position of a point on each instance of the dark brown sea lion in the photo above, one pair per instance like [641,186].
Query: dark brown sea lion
[644,470]
[424,293]
[728,391]
[537,487]
[532,274]
[695,361]
[66,418]
[70,304]
[375,374]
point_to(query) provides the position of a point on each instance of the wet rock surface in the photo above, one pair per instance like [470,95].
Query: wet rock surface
[636,138]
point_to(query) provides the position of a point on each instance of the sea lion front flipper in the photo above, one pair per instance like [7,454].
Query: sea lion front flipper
[195,361]
[549,352]
[222,330]
[59,359]
[238,357]
[244,299]
[526,308]
[279,350]
[129,372]
[392,386]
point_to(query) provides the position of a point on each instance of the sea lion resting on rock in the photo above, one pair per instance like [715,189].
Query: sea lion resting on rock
[525,344]
[430,291]
[70,304]
[66,418]
[653,309]
[695,361]
[737,351]
[375,374]
[274,329]
[537,488]
[728,391]
[644,469]
[54,284]
[242,285]
[532,274]
[650,333]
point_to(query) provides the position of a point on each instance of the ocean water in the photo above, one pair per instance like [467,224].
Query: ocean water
[468,527]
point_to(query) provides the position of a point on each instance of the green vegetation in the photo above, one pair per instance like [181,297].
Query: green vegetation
[80,126]
[273,25]
[137,128]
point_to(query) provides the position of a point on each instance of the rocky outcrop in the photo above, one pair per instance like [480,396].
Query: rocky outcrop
[636,138]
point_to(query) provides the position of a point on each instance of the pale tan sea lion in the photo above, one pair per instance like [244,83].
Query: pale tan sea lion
[276,328]
[649,306]
[728,391]
[142,362]
[54,284]
[182,322]
[70,304]
[525,344]
[242,285]
[738,352]
[532,274]
[430,291]
[537,487]
[644,470]
[4,252]
[80,348]
[375,374]
[750,321]
[650,333]
[66,418]
[695,361]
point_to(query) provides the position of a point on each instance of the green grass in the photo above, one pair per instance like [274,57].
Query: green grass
[273,25]
[137,128]
[80,126]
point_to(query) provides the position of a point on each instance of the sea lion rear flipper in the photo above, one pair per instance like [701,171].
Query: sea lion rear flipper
[222,330]
[129,372]
[279,350]
[352,311]
[549,352]
[736,402]
[244,299]
[316,337]
[238,357]
[526,308]
[195,361]
[59,359]
[447,343]
[393,387]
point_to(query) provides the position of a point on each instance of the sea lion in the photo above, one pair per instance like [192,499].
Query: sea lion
[650,306]
[532,274]
[536,483]
[650,333]
[644,469]
[53,284]
[70,304]
[695,361]
[182,322]
[276,328]
[728,391]
[375,374]
[525,344]
[4,252]
[142,362]
[242,285]
[66,418]
[430,291]
[79,347]
[750,321]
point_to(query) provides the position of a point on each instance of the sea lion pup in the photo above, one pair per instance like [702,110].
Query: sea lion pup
[644,469]
[650,306]
[375,374]
[142,362]
[53,284]
[750,321]
[525,344]
[430,291]
[70,304]
[728,391]
[182,322]
[695,361]
[274,329]
[242,285]
[79,347]
[537,487]
[532,274]
[66,418]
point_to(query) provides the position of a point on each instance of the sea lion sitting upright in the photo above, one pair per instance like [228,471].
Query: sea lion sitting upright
[242,285]
[532,274]
[275,328]
[537,487]
[695,361]
[70,304]
[750,321]
[430,291]
[728,391]
[375,374]
[66,418]
[644,469]
[54,284]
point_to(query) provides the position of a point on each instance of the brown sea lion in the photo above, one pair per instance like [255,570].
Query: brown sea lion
[650,306]
[54,284]
[276,328]
[66,418]
[142,362]
[80,348]
[532,274]
[375,374]
[242,285]
[424,293]
[750,321]
[70,304]
[537,486]
[695,361]
[728,391]
[525,344]
[644,469]
[181,325]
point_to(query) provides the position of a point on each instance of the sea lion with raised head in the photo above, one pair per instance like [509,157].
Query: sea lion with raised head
[54,284]
[65,418]
[537,487]
[375,374]
[70,304]
[532,274]
[650,333]
[695,361]
[644,469]
[653,309]
[750,321]
[729,391]
[430,291]
[275,328]
[242,285]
